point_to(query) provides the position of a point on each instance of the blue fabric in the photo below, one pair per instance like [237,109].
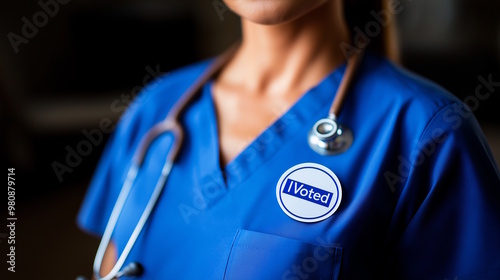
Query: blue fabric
[421,191]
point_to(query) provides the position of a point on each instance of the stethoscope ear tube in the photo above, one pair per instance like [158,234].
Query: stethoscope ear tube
[169,125]
[115,214]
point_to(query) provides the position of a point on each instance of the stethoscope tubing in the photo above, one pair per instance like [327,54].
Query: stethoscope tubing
[171,125]
[345,83]
[115,214]
[131,176]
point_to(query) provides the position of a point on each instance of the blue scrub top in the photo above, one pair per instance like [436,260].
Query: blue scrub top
[421,191]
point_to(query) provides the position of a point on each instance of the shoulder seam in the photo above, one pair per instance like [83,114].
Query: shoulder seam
[434,116]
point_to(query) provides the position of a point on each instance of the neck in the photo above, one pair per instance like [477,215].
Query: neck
[291,56]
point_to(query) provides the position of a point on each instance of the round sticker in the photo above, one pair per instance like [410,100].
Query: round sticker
[309,192]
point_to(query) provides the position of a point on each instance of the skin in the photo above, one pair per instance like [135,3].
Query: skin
[288,47]
[109,259]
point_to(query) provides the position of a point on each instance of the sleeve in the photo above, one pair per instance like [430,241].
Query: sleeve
[448,210]
[109,175]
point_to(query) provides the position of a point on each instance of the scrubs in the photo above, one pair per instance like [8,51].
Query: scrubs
[420,189]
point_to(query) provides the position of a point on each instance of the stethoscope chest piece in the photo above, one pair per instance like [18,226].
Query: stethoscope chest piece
[327,137]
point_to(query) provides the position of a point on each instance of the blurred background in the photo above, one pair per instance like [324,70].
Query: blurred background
[66,64]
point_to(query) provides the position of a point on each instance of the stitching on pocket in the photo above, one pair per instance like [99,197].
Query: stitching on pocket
[252,247]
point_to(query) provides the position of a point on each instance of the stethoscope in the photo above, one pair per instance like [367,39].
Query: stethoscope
[327,137]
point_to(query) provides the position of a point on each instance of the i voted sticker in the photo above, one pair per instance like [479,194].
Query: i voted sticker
[309,192]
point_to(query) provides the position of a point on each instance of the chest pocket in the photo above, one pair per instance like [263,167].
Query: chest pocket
[257,255]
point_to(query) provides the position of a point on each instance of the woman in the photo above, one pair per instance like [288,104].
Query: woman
[416,195]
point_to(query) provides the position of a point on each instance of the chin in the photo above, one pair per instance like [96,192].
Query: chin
[271,12]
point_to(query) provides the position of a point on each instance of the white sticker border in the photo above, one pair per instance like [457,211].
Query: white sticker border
[317,166]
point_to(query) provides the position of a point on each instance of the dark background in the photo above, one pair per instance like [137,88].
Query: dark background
[89,53]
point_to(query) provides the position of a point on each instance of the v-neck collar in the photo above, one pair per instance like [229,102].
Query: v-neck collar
[269,141]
